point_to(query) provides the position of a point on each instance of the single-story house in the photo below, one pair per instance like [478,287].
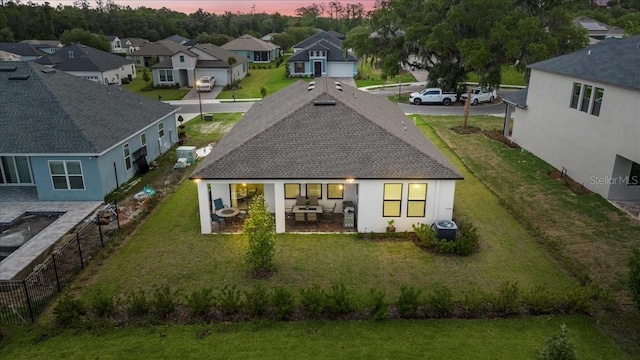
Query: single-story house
[186,66]
[581,113]
[133,44]
[72,139]
[597,30]
[323,58]
[332,141]
[156,52]
[254,49]
[21,51]
[47,46]
[321,35]
[92,64]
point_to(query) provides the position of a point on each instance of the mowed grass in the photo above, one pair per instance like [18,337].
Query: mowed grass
[433,339]
[368,76]
[510,76]
[137,85]
[272,79]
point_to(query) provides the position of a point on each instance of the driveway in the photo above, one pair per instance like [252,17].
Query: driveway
[204,95]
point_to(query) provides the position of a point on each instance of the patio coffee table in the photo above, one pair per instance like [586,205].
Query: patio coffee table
[227,213]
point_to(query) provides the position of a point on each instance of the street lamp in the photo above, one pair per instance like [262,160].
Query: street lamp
[199,98]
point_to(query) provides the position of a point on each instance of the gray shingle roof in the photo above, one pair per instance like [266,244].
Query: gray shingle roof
[288,136]
[220,53]
[334,53]
[79,57]
[160,48]
[22,49]
[518,98]
[322,35]
[52,112]
[611,61]
[250,43]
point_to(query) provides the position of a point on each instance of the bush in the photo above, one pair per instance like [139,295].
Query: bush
[634,277]
[377,305]
[256,301]
[507,300]
[439,302]
[229,299]
[138,304]
[558,347]
[475,303]
[465,244]
[164,301]
[263,91]
[409,302]
[101,304]
[314,301]
[340,301]
[200,302]
[69,311]
[426,236]
[578,300]
[283,303]
[539,301]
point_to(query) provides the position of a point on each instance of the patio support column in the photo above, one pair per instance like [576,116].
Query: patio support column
[205,208]
[279,208]
[507,121]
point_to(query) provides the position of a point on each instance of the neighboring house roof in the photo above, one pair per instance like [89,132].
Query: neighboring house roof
[46,111]
[611,61]
[78,57]
[137,42]
[336,34]
[180,40]
[7,56]
[325,133]
[597,29]
[111,37]
[334,53]
[159,48]
[250,43]
[164,64]
[518,98]
[43,43]
[322,35]
[268,37]
[220,53]
[22,49]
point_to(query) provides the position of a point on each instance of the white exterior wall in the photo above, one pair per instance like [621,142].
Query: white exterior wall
[113,76]
[586,145]
[366,194]
[340,69]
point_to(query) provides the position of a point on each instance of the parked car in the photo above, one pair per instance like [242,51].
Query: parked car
[205,83]
[433,96]
[479,95]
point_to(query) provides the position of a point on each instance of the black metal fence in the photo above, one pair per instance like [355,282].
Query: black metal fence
[21,301]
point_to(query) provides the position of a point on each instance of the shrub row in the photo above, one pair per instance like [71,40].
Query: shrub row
[315,302]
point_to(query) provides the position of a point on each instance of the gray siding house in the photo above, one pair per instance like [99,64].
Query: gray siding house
[254,49]
[69,139]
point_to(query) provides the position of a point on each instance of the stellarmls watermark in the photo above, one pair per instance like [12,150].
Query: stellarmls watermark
[615,180]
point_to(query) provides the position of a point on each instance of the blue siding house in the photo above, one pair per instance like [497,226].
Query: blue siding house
[322,55]
[72,139]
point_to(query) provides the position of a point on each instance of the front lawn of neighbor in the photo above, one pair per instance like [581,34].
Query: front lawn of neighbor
[433,339]
[137,85]
[510,76]
[368,76]
[272,79]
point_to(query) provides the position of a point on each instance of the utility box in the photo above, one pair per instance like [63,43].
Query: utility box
[445,229]
[349,220]
[187,152]
[208,117]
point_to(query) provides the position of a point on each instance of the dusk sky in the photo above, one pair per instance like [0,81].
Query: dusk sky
[284,7]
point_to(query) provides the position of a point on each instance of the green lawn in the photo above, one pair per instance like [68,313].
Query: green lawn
[433,339]
[510,76]
[137,84]
[368,76]
[202,132]
[272,79]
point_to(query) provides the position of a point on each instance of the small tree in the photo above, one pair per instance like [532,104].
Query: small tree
[232,60]
[467,107]
[259,228]
[263,91]
[145,76]
[634,276]
[558,347]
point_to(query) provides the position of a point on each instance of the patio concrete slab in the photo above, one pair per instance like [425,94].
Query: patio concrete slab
[21,261]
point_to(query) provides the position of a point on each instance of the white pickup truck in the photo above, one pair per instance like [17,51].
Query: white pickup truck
[433,96]
[205,83]
[479,95]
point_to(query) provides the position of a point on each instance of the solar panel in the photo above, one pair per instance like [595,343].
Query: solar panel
[593,26]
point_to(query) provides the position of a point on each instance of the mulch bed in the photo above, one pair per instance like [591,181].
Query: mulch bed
[571,184]
[497,136]
[468,130]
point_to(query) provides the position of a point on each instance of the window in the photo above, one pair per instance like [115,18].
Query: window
[127,156]
[575,96]
[15,170]
[314,190]
[299,67]
[392,199]
[66,175]
[586,98]
[634,175]
[160,130]
[143,141]
[417,200]
[181,58]
[291,191]
[166,75]
[597,102]
[335,191]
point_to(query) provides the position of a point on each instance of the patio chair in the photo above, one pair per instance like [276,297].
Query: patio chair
[312,217]
[289,213]
[301,200]
[313,200]
[299,217]
[217,204]
[327,213]
[217,219]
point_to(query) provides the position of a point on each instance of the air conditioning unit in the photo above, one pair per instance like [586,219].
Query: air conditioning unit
[208,117]
[445,229]
[187,152]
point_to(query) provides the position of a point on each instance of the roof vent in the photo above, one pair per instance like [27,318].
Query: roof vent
[324,103]
[48,70]
[338,86]
[355,96]
[312,83]
[18,77]
[311,87]
[8,68]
